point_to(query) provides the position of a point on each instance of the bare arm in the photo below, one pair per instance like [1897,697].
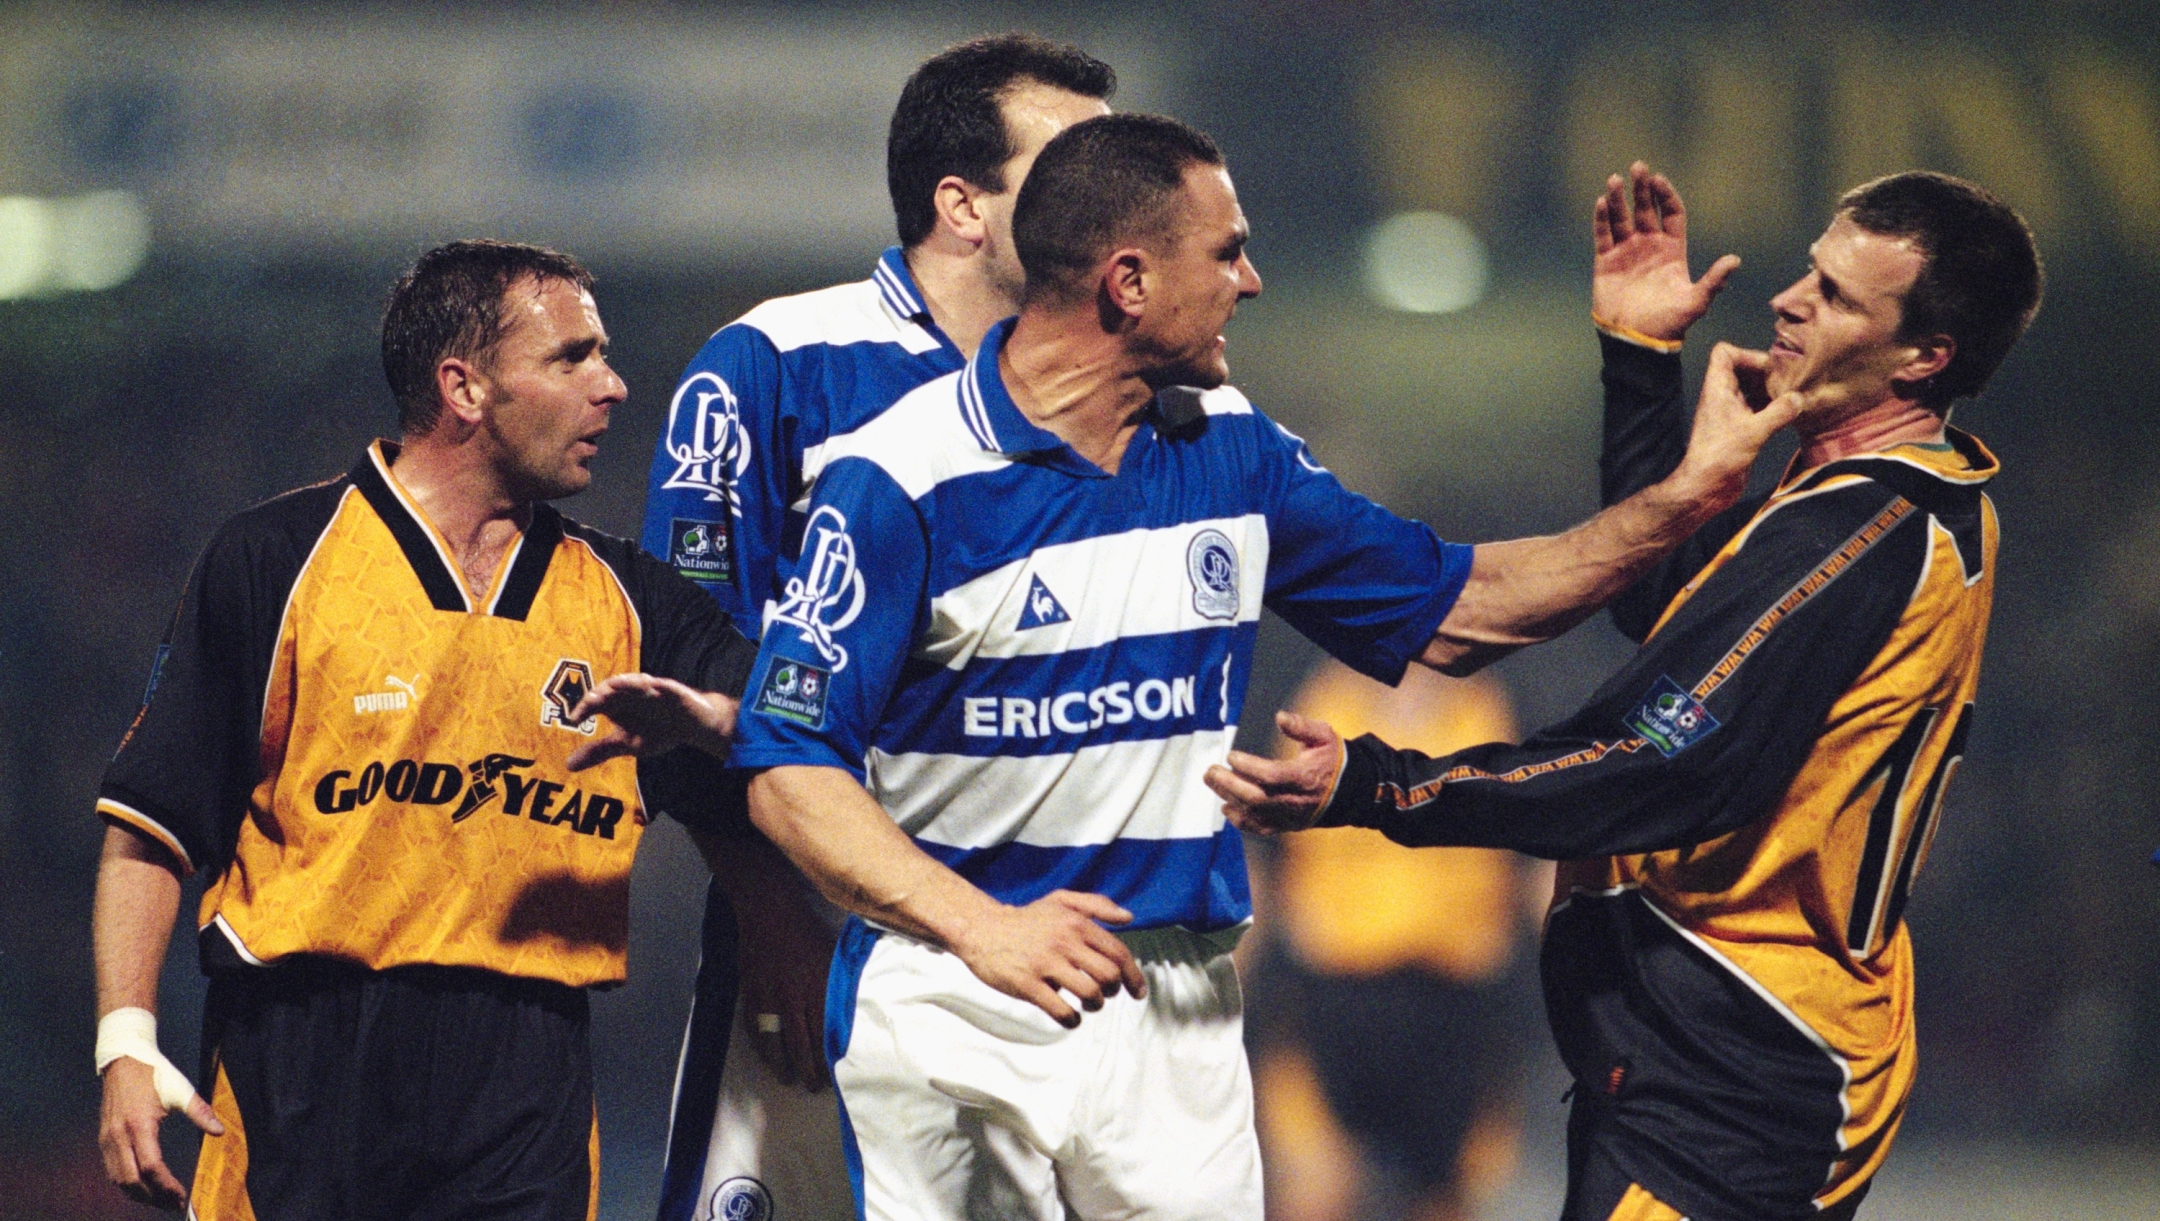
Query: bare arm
[851,849]
[138,898]
[1526,590]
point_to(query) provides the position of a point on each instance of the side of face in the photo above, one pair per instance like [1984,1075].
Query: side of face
[1034,114]
[548,390]
[1837,325]
[1190,287]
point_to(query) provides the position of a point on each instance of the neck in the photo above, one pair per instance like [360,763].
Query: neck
[1894,421]
[464,498]
[1075,380]
[955,282]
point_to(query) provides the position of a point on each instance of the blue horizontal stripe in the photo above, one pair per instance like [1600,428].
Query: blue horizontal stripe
[1199,883]
[929,712]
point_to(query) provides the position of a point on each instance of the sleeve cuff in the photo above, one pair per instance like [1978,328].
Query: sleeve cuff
[113,810]
[1627,335]
[1354,800]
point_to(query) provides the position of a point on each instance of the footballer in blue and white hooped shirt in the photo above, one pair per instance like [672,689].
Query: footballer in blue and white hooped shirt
[1030,662]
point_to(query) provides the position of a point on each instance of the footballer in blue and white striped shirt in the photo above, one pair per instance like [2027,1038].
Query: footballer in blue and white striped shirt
[1018,636]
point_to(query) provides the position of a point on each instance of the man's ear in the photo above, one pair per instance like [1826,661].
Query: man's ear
[1126,281]
[462,388]
[1930,356]
[958,204]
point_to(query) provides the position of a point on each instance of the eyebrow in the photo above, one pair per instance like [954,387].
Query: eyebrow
[576,350]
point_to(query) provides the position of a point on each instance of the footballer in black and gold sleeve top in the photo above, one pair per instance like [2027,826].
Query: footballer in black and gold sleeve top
[372,767]
[1741,812]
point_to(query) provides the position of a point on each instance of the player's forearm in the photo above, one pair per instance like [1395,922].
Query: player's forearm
[853,852]
[1527,590]
[138,898]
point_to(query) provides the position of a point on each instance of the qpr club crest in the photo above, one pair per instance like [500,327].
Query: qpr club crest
[1211,562]
[706,439]
[827,593]
[741,1199]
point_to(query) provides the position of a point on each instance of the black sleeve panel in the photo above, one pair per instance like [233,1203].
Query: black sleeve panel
[1704,729]
[1646,433]
[686,637]
[194,752]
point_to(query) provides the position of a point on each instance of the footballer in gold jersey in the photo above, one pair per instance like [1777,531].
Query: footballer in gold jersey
[1741,812]
[364,728]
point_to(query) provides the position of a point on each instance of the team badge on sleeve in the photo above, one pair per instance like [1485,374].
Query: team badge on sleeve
[1212,561]
[828,594]
[1671,719]
[706,439]
[794,691]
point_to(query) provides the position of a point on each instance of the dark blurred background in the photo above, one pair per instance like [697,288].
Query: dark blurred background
[203,205]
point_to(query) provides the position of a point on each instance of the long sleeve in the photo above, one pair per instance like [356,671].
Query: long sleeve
[1646,434]
[1705,727]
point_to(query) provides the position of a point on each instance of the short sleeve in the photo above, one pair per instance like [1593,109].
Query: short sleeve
[1369,587]
[723,473]
[834,648]
[184,770]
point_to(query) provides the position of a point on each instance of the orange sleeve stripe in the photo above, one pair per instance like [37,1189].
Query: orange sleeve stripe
[135,819]
[1630,335]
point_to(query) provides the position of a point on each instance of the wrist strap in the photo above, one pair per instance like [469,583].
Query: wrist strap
[1630,335]
[131,1033]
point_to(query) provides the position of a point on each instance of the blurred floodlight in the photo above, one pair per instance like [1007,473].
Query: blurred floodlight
[85,244]
[25,245]
[1425,263]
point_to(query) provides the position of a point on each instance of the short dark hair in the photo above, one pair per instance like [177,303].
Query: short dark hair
[951,120]
[1982,281]
[1102,183]
[450,304]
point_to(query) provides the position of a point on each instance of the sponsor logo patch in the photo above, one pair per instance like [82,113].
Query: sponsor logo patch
[741,1199]
[828,594]
[702,550]
[571,680]
[1211,561]
[795,691]
[1671,719]
[482,782]
[1042,607]
[706,440]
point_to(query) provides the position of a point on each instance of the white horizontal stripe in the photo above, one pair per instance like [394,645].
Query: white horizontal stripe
[842,314]
[1137,583]
[1119,790]
[920,441]
[1226,400]
[143,822]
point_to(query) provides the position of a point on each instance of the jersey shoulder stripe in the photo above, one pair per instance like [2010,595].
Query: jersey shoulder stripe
[921,441]
[838,316]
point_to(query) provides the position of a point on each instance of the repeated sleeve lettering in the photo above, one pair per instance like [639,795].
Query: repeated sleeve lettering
[1646,434]
[836,644]
[1369,587]
[723,473]
[1703,730]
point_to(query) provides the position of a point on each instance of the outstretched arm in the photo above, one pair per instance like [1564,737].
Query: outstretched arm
[1526,590]
[138,897]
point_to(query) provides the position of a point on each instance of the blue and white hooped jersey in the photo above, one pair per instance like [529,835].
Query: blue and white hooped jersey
[1031,662]
[749,420]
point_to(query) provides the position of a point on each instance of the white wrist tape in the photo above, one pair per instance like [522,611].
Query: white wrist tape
[133,1033]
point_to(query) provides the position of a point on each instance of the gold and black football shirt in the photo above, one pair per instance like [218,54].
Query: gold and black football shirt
[369,759]
[1741,812]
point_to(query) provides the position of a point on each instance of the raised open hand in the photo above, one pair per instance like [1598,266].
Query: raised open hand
[1639,281]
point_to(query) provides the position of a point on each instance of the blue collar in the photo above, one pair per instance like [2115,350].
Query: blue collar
[897,285]
[987,408]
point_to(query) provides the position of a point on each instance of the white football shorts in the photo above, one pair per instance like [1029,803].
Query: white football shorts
[960,1102]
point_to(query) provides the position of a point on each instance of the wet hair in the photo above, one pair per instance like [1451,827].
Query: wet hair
[1108,182]
[1981,283]
[951,118]
[451,304]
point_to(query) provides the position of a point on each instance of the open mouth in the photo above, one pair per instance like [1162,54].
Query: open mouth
[1782,346]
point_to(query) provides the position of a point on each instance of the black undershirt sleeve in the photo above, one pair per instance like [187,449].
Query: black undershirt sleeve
[1703,730]
[1646,434]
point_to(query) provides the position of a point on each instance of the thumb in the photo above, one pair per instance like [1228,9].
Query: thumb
[1304,730]
[203,1117]
[1096,906]
[1783,410]
[1713,280]
[592,754]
